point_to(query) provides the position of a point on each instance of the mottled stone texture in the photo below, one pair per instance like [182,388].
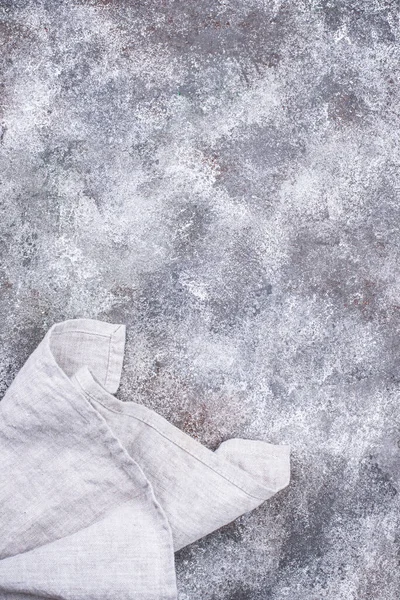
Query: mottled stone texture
[223,177]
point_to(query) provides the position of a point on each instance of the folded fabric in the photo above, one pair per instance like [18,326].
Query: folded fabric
[97,494]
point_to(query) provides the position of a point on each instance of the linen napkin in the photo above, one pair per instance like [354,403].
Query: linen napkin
[97,494]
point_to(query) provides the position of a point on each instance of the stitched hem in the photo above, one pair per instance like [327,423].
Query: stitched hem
[234,475]
[116,351]
[96,399]
[114,332]
[95,390]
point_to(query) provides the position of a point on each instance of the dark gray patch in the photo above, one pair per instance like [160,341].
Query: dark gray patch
[307,536]
[192,223]
[365,21]
[231,532]
[374,491]
[66,155]
[242,292]
[162,296]
[240,593]
[268,152]
[344,104]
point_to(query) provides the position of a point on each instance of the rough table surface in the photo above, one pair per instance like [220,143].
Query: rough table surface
[223,177]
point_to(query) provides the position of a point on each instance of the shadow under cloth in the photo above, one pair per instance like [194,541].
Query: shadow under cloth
[96,494]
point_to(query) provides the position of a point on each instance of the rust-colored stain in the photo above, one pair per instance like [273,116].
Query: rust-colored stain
[213,161]
[366,297]
[193,423]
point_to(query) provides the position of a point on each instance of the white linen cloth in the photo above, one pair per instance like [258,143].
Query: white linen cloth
[97,494]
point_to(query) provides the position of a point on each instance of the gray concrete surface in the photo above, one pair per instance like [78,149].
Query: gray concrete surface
[223,177]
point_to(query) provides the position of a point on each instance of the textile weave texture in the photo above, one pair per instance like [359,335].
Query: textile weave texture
[97,494]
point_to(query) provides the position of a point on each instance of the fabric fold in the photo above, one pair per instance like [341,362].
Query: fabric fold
[88,480]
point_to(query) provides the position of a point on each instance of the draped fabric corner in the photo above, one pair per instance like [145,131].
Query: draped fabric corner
[97,494]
